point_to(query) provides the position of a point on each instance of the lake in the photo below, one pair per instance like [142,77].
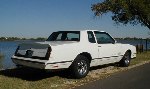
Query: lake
[7,48]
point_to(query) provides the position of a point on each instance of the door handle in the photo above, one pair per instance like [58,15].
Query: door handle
[99,46]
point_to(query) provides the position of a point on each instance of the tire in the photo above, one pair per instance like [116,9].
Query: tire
[125,62]
[80,67]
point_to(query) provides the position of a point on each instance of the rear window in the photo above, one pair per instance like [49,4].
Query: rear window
[64,36]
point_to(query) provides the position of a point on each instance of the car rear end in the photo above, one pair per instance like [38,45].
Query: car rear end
[32,55]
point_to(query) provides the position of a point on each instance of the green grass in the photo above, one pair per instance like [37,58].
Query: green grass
[25,78]
[145,56]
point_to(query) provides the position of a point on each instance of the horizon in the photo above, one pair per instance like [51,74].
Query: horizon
[38,18]
[6,38]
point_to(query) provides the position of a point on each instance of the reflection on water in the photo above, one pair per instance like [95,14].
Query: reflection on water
[8,49]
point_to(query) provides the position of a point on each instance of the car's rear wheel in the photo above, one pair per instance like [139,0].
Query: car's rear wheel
[80,67]
[125,62]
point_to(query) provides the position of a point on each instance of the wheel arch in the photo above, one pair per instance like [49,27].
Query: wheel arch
[85,54]
[129,51]
[125,53]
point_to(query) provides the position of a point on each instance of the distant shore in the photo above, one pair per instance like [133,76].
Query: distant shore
[43,39]
[128,38]
[21,39]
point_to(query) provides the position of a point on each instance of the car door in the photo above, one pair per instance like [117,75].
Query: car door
[108,51]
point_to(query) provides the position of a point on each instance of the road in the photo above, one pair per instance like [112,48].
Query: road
[136,78]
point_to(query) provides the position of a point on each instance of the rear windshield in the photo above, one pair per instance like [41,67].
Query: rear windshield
[64,36]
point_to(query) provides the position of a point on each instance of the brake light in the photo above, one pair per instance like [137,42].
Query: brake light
[48,53]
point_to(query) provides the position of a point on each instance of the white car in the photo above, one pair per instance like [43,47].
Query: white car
[77,50]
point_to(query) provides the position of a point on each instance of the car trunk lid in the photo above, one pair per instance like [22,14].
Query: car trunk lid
[33,50]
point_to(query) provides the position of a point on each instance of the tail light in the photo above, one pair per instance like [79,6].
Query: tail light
[48,53]
[17,50]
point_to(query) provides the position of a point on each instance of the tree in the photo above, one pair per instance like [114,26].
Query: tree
[125,11]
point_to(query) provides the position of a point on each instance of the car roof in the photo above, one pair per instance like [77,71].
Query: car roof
[93,30]
[80,30]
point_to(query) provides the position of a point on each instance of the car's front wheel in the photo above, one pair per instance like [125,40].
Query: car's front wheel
[80,67]
[125,62]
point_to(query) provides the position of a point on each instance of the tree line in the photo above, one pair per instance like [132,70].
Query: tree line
[43,39]
[17,38]
[130,38]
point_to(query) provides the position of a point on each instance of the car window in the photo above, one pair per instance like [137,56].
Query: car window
[91,37]
[65,36]
[73,36]
[103,38]
[59,36]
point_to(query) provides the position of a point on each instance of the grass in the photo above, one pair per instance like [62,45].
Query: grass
[25,78]
[145,56]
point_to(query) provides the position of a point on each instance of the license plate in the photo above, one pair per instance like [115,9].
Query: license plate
[29,53]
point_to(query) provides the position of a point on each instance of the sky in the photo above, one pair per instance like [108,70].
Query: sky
[39,18]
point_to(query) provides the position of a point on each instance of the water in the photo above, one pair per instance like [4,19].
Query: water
[136,42]
[8,49]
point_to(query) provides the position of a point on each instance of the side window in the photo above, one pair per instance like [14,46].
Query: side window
[103,38]
[91,37]
[59,36]
[73,36]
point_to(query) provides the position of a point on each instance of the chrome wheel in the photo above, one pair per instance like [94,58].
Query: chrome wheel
[127,58]
[125,62]
[82,67]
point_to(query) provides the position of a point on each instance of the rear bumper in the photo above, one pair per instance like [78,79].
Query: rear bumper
[34,63]
[40,64]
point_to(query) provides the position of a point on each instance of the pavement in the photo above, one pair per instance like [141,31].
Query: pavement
[136,78]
